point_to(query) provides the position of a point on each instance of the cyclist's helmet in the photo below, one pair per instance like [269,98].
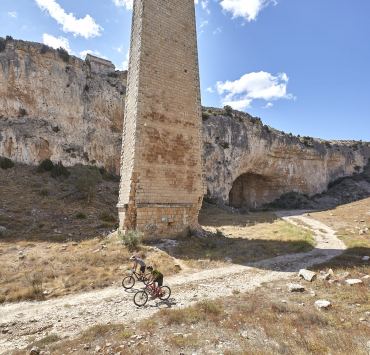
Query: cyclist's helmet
[150,268]
[134,257]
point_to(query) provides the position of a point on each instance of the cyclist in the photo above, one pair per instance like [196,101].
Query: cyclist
[156,278]
[138,261]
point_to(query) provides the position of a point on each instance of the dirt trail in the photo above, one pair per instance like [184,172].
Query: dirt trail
[70,315]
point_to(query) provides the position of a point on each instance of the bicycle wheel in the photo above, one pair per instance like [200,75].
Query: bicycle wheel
[128,282]
[140,298]
[165,293]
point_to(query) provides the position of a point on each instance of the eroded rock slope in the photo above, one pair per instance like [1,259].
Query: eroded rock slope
[57,106]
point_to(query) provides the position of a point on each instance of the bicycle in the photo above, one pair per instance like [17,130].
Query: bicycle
[141,297]
[129,281]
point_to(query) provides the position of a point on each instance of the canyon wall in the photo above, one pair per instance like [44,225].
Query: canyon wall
[249,164]
[57,106]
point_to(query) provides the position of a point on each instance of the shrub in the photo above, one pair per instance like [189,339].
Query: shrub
[131,239]
[9,38]
[108,176]
[107,217]
[22,112]
[228,110]
[44,192]
[6,163]
[2,44]
[88,177]
[81,215]
[45,165]
[205,115]
[63,54]
[44,49]
[59,170]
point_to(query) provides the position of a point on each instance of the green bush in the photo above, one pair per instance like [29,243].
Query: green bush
[59,170]
[205,115]
[228,110]
[6,163]
[45,165]
[44,192]
[63,54]
[107,217]
[2,44]
[131,239]
[88,177]
[44,49]
[81,215]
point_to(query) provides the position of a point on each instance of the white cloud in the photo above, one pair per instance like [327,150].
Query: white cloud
[13,14]
[85,27]
[56,42]
[269,105]
[254,86]
[248,9]
[125,62]
[124,3]
[210,90]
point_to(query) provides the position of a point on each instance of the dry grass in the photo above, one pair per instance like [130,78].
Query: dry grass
[251,323]
[352,222]
[241,238]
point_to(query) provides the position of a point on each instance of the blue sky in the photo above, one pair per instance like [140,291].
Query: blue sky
[303,66]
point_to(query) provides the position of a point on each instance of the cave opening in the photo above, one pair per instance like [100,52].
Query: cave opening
[252,191]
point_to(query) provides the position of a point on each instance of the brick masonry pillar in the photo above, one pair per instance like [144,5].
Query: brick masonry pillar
[161,186]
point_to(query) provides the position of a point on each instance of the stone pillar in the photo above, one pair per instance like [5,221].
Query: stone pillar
[161,186]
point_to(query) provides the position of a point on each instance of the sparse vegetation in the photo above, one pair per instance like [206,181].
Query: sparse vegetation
[87,179]
[131,239]
[228,110]
[44,49]
[2,44]
[6,163]
[63,54]
[81,215]
[22,112]
[45,165]
[59,170]
[205,115]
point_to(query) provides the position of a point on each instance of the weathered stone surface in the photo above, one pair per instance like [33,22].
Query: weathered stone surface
[161,188]
[354,282]
[322,304]
[295,288]
[307,275]
[72,112]
[60,110]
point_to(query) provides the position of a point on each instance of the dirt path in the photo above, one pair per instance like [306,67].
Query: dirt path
[70,315]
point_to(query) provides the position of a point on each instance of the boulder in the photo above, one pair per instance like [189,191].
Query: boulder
[354,282]
[307,275]
[322,304]
[295,288]
[35,351]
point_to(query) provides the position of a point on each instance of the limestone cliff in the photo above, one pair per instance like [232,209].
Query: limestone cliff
[53,105]
[57,106]
[249,164]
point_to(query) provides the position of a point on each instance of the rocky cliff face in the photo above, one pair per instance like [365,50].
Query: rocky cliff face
[249,164]
[56,106]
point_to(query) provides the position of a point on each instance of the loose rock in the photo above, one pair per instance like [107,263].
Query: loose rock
[307,275]
[354,282]
[322,304]
[296,288]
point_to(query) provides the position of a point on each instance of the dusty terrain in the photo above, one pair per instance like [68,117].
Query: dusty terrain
[56,242]
[77,313]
